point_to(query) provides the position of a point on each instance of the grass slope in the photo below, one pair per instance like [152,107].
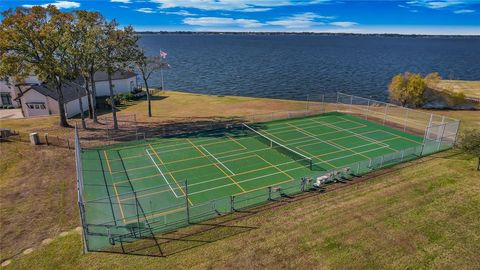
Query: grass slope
[421,216]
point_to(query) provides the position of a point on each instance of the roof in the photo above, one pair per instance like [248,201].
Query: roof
[118,75]
[70,91]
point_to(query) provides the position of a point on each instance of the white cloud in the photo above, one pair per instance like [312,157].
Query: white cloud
[145,10]
[179,13]
[121,1]
[59,5]
[439,4]
[223,22]
[462,11]
[252,9]
[233,5]
[344,24]
[301,21]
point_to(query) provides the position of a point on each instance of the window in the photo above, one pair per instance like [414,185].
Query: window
[36,106]
[6,98]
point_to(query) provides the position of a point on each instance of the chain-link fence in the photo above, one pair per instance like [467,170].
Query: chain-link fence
[143,219]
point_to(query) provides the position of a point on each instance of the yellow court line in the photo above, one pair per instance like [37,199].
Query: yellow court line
[250,190]
[235,141]
[159,214]
[203,154]
[321,134]
[359,135]
[336,144]
[108,163]
[119,203]
[289,176]
[341,150]
[155,152]
[216,165]
[187,169]
[300,125]
[278,169]
[230,177]
[311,134]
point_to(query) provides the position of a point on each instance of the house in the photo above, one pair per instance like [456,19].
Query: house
[123,82]
[36,98]
[41,100]
[9,92]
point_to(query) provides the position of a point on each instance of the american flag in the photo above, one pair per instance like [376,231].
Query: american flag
[163,54]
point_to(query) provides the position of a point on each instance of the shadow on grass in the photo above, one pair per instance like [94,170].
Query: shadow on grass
[196,235]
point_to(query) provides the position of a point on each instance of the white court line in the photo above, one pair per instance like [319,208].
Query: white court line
[356,134]
[279,172]
[158,168]
[219,162]
[265,175]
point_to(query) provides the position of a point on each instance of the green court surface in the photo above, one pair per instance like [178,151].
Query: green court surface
[218,164]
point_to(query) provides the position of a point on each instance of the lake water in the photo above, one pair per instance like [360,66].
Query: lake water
[286,66]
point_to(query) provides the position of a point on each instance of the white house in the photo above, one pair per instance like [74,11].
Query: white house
[9,91]
[36,99]
[123,82]
[40,100]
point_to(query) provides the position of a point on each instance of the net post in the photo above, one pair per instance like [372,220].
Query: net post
[406,119]
[269,193]
[186,201]
[232,203]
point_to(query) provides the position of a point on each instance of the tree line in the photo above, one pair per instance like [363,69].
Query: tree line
[60,47]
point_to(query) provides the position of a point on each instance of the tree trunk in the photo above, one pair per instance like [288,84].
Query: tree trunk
[82,115]
[478,164]
[114,111]
[90,109]
[93,96]
[61,109]
[148,98]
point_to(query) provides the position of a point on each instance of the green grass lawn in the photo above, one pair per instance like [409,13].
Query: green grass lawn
[424,215]
[420,216]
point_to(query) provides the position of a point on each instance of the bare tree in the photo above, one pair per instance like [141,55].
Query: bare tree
[146,66]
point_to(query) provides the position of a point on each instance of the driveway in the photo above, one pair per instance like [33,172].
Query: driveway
[11,113]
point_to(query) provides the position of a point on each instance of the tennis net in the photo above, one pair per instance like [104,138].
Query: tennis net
[298,157]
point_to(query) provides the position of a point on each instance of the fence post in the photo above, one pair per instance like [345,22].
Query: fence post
[338,98]
[406,119]
[306,105]
[351,103]
[46,138]
[323,102]
[232,203]
[368,109]
[186,201]
[385,114]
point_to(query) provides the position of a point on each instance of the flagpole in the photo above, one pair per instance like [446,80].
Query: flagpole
[161,75]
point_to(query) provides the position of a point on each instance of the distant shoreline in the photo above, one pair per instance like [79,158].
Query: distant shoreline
[302,34]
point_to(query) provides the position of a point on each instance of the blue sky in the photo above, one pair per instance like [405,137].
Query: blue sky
[406,16]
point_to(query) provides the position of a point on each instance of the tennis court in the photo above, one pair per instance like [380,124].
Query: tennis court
[220,164]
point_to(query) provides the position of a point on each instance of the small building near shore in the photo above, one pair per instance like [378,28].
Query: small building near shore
[123,82]
[41,100]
